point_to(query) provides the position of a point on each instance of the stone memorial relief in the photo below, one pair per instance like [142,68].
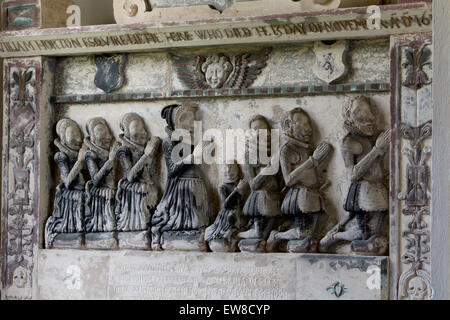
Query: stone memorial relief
[220,71]
[302,167]
[65,226]
[263,203]
[137,193]
[100,216]
[330,63]
[110,74]
[367,201]
[221,235]
[183,213]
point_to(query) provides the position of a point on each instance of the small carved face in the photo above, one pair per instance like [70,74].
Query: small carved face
[102,136]
[417,289]
[74,138]
[186,121]
[301,127]
[363,118]
[216,75]
[231,172]
[138,133]
[20,277]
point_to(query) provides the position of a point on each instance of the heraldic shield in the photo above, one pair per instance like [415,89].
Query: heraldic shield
[330,64]
[110,72]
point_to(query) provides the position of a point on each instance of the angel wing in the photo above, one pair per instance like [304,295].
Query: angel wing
[246,69]
[190,74]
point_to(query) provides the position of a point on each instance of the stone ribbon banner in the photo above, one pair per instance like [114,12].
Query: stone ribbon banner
[343,24]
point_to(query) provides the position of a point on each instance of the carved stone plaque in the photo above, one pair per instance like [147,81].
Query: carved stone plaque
[188,275]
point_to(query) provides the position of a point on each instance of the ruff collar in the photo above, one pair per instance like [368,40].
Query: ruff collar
[65,149]
[93,147]
[128,143]
[287,139]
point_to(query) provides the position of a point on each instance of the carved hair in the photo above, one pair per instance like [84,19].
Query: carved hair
[126,120]
[92,123]
[259,117]
[62,126]
[173,112]
[349,107]
[235,165]
[220,59]
[350,104]
[289,116]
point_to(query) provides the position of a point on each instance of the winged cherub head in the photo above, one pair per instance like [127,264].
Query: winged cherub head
[217,69]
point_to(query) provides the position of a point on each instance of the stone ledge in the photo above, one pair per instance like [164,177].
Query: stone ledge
[272,29]
[75,274]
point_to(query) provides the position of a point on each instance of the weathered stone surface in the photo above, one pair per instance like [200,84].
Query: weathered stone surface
[136,11]
[72,274]
[374,246]
[101,240]
[252,245]
[369,61]
[68,241]
[190,275]
[342,277]
[223,245]
[306,245]
[184,241]
[138,240]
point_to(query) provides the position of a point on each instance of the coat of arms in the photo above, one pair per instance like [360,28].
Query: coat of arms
[330,65]
[110,72]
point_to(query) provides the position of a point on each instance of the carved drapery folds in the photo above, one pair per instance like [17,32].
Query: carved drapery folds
[415,132]
[21,179]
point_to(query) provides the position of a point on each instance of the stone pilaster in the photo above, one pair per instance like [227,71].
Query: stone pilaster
[411,120]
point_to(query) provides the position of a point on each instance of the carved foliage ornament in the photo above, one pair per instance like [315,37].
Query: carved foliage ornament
[417,57]
[19,218]
[415,283]
[220,71]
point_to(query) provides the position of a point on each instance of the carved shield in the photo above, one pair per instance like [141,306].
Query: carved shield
[110,72]
[330,65]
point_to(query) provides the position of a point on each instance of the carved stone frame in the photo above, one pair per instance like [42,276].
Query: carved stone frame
[410,230]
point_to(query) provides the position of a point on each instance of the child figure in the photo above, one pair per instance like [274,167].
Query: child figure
[229,220]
